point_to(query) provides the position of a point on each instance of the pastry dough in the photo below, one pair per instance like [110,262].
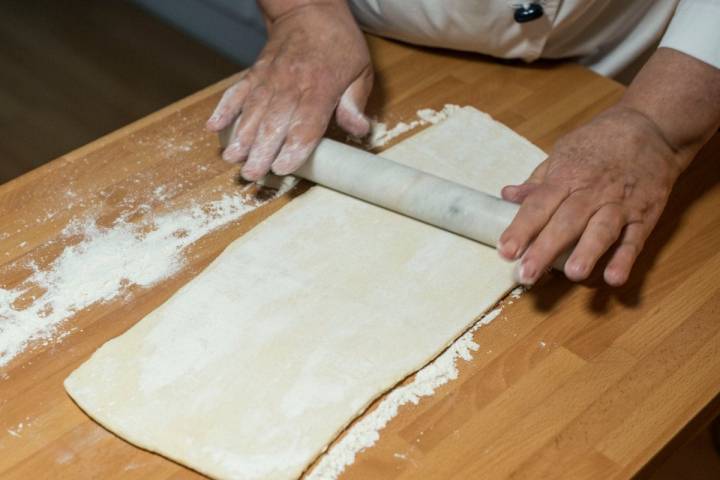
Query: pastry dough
[253,367]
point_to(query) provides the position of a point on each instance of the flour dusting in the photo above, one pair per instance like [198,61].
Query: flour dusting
[18,430]
[104,264]
[380,134]
[366,432]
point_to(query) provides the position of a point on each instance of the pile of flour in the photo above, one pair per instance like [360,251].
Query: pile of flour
[105,264]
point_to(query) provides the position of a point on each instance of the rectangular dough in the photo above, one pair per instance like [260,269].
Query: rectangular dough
[253,367]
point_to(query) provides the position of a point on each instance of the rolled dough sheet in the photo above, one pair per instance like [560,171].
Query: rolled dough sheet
[252,368]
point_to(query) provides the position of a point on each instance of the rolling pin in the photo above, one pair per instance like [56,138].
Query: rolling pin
[441,203]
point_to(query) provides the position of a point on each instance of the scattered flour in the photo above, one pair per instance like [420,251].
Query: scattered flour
[64,457]
[380,134]
[107,261]
[104,265]
[366,431]
[17,430]
[134,466]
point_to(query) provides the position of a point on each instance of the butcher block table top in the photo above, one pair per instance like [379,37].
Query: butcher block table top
[571,381]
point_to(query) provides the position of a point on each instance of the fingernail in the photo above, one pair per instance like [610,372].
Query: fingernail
[509,193]
[614,278]
[509,249]
[526,274]
[576,269]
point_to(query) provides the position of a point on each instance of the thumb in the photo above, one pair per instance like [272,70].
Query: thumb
[349,113]
[518,193]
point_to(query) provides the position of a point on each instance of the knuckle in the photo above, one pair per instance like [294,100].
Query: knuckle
[305,135]
[605,232]
[255,75]
[535,205]
[261,90]
[246,133]
[316,98]
[566,221]
[631,249]
[543,247]
[610,223]
[266,131]
[303,73]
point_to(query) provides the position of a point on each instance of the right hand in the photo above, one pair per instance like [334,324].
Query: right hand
[315,63]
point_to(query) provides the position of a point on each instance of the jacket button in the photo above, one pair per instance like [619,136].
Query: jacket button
[528,12]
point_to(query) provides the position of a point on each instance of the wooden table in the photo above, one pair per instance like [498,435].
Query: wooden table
[572,381]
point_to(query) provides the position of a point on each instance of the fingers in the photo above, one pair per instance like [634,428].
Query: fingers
[631,244]
[562,230]
[253,112]
[535,212]
[618,269]
[229,106]
[270,136]
[307,127]
[293,155]
[601,233]
[349,114]
[278,129]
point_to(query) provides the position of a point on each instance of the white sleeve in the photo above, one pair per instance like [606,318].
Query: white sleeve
[695,30]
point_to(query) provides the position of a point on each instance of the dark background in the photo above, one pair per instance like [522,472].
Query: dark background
[74,70]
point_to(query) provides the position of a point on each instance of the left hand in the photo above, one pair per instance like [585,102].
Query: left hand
[316,64]
[603,187]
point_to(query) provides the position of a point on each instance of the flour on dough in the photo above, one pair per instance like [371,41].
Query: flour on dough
[253,367]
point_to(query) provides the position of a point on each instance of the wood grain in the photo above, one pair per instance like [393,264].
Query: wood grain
[572,381]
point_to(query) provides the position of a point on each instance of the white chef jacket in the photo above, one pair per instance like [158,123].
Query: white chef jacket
[605,35]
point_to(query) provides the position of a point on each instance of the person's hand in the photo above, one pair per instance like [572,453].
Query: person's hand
[315,63]
[604,186]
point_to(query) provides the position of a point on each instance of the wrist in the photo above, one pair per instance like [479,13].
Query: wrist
[680,95]
[647,130]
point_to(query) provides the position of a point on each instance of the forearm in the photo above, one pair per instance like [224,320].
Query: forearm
[273,9]
[681,96]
